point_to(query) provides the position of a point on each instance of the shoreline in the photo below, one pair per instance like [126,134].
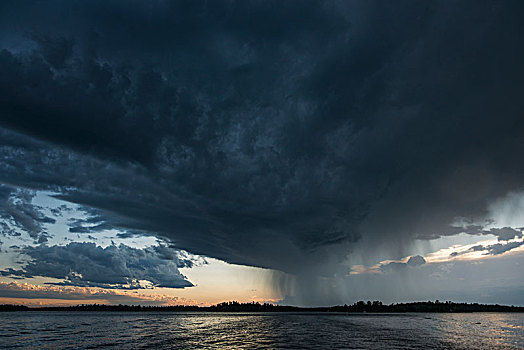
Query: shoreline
[357,308]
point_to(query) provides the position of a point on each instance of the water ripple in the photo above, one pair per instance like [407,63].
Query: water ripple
[110,330]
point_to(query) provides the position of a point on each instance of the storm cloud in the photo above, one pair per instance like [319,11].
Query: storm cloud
[89,265]
[279,134]
[18,214]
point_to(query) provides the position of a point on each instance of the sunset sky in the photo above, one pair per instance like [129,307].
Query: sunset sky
[296,152]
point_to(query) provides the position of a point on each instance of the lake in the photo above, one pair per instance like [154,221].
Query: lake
[113,330]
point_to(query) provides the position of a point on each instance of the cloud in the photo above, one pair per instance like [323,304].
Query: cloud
[497,249]
[86,264]
[493,249]
[393,266]
[506,233]
[18,213]
[503,234]
[414,261]
[15,290]
[271,134]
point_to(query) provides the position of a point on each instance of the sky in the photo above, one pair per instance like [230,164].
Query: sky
[295,152]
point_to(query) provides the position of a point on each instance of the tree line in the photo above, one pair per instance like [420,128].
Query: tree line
[234,306]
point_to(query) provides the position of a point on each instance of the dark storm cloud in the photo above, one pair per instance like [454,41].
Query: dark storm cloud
[89,265]
[18,213]
[268,133]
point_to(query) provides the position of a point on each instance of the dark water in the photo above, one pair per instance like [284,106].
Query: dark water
[89,330]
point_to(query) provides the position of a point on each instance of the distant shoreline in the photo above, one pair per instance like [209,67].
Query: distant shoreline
[359,307]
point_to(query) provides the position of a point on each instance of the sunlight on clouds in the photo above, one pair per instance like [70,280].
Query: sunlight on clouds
[463,251]
[215,281]
[506,213]
[33,294]
[456,252]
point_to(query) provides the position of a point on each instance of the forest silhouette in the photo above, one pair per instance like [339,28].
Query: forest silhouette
[234,306]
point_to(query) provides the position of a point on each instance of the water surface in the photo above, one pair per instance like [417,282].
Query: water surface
[113,330]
